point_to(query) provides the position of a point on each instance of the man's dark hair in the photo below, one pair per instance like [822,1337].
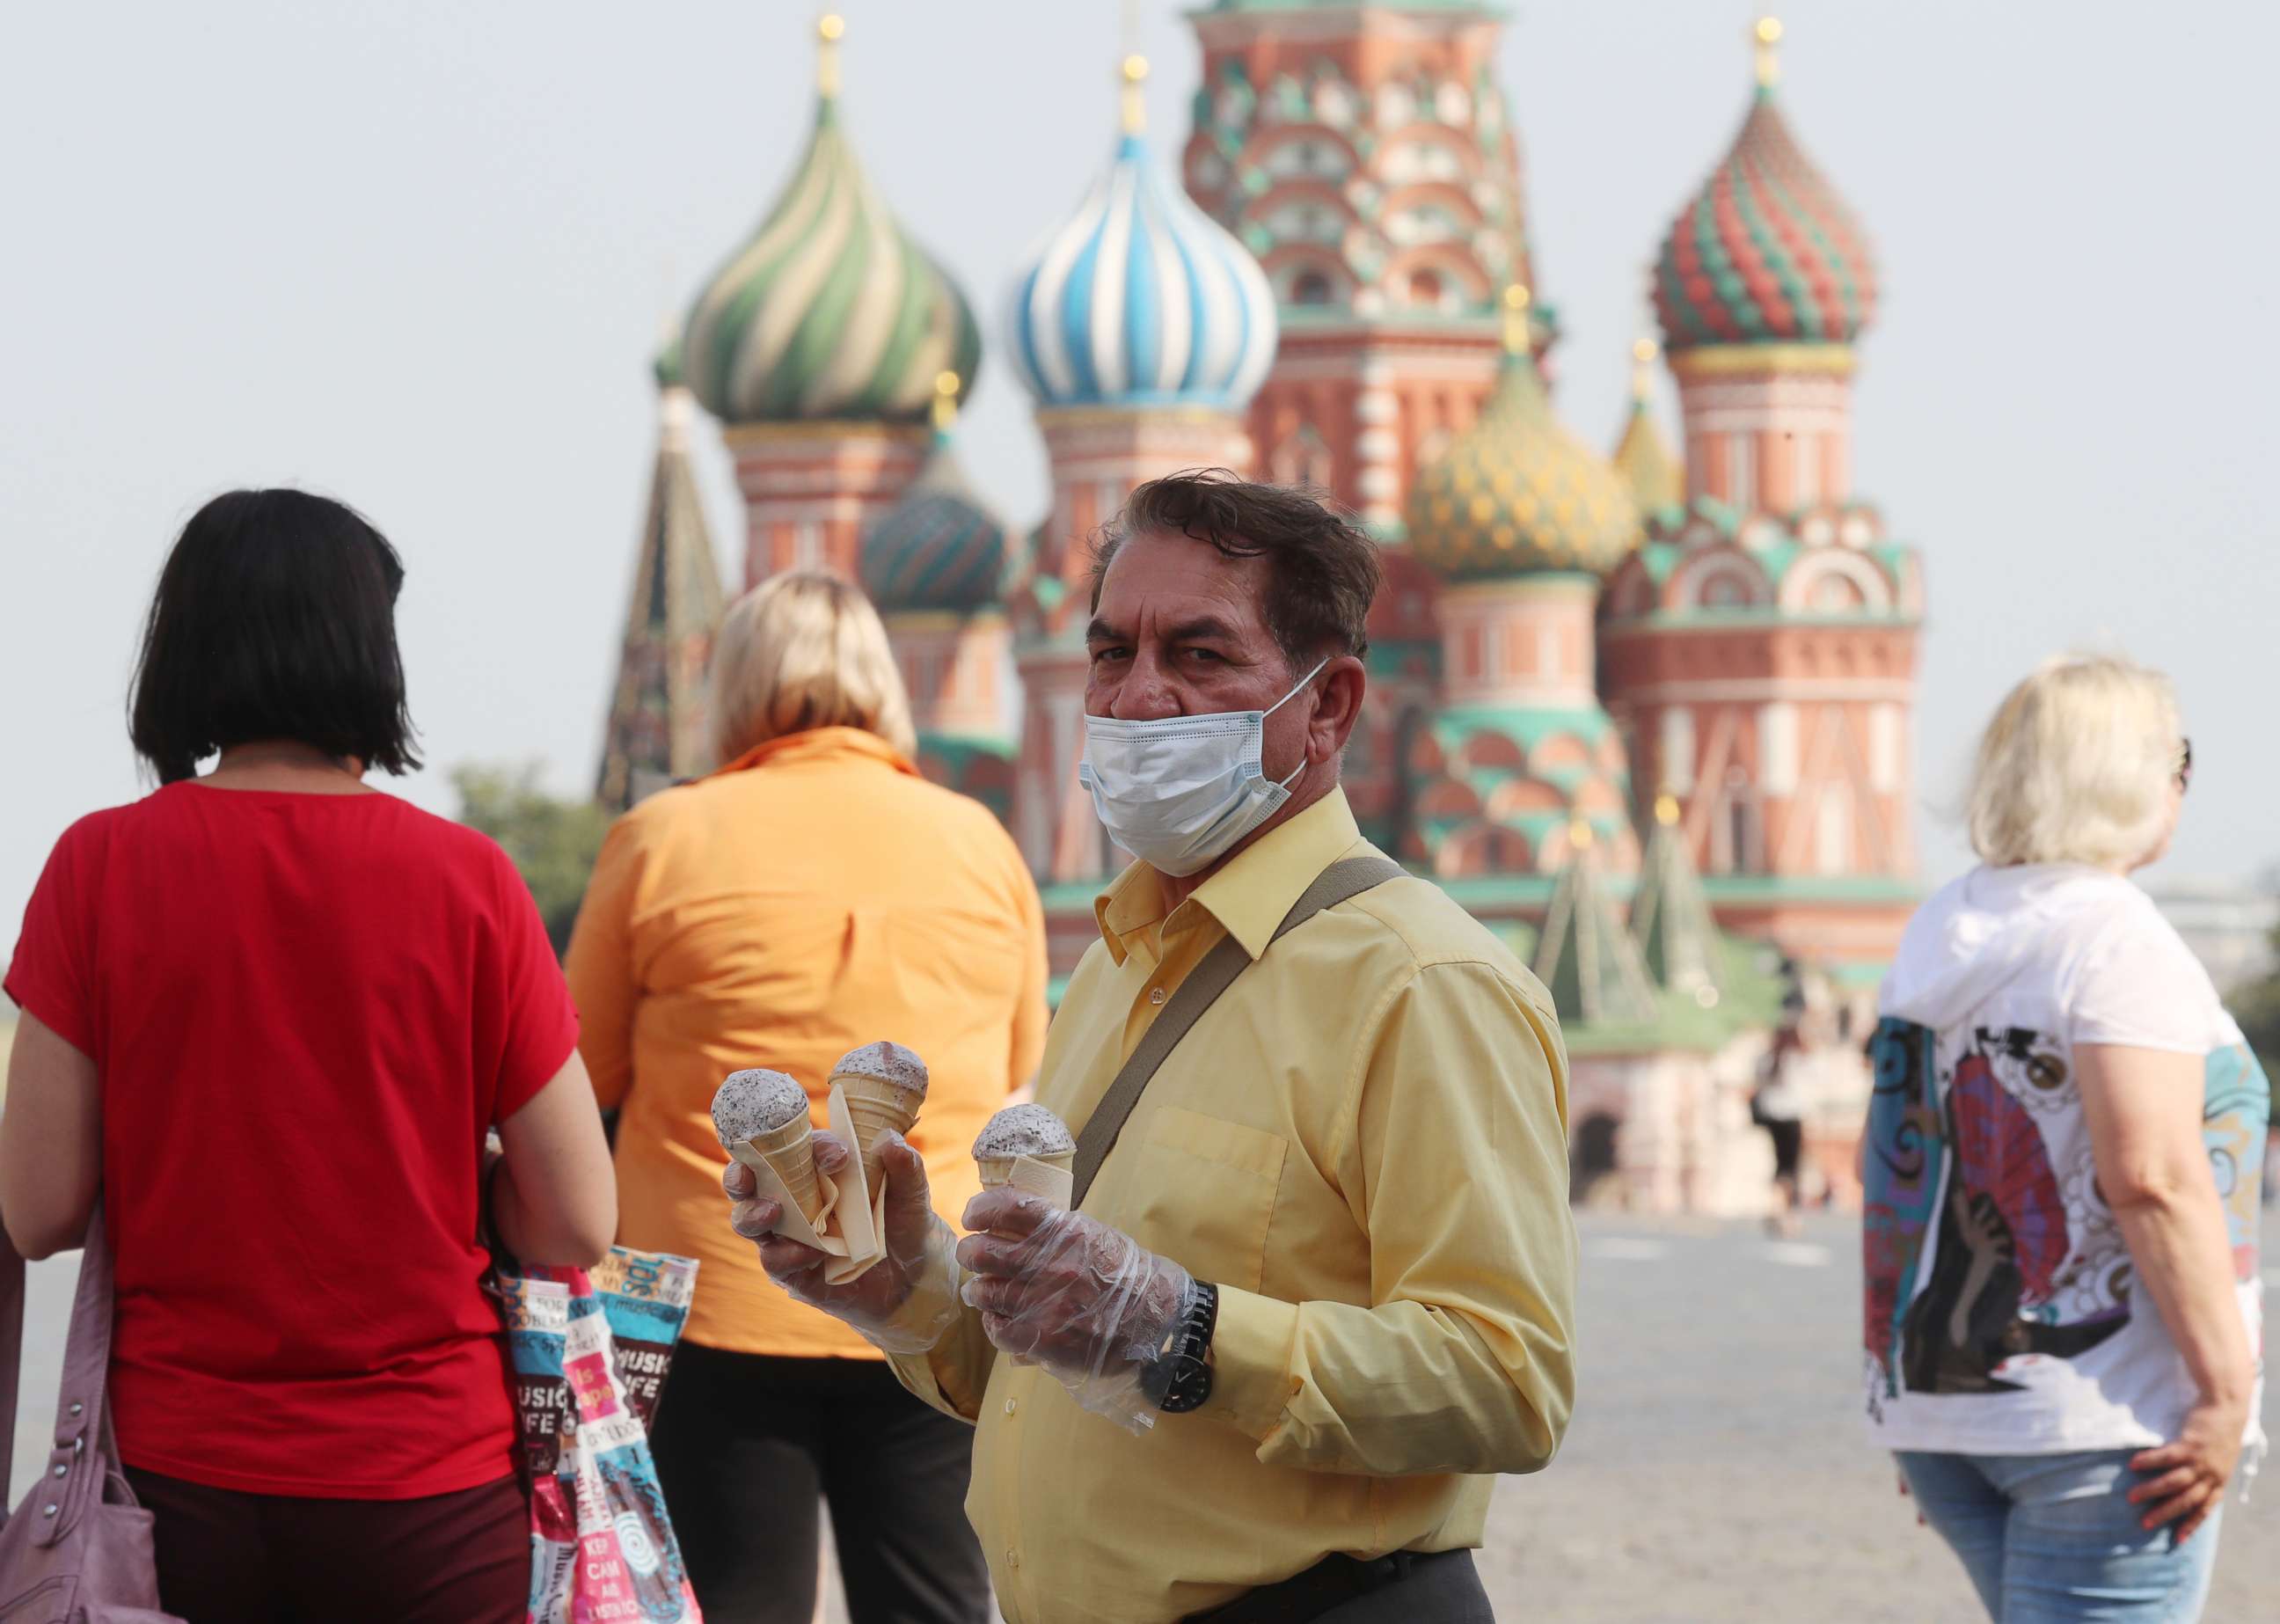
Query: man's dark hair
[1323,568]
[274,619]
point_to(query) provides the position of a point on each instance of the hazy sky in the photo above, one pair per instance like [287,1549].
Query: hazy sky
[418,255]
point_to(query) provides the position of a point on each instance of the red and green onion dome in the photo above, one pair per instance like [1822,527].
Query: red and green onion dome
[940,548]
[1516,494]
[1767,252]
[829,312]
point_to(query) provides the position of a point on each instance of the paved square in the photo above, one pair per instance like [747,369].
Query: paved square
[1716,1472]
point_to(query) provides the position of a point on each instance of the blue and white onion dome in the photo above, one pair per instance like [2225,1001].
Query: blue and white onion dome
[1142,299]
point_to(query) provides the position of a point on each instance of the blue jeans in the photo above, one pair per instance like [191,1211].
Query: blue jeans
[2053,1539]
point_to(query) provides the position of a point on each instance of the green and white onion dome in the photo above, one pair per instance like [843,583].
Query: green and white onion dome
[831,312]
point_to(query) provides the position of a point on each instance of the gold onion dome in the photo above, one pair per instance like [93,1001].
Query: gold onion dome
[1645,463]
[829,312]
[1517,494]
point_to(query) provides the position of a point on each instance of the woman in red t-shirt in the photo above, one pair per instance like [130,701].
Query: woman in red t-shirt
[269,1015]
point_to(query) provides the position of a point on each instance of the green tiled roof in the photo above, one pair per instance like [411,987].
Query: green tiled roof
[1585,956]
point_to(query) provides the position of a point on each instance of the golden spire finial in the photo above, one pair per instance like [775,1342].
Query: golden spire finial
[1666,809]
[828,28]
[1580,835]
[945,401]
[1517,339]
[1644,350]
[1135,73]
[1767,35]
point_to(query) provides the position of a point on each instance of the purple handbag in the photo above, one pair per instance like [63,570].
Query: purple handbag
[78,1550]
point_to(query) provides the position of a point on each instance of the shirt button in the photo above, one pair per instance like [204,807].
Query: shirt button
[1011,1405]
[1013,1558]
[1155,994]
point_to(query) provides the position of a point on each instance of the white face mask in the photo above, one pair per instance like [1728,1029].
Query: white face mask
[1179,791]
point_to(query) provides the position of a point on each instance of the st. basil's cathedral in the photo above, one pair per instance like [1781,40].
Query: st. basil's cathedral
[1646,714]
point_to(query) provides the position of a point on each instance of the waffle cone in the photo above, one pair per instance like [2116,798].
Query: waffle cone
[872,1108]
[998,1170]
[789,1151]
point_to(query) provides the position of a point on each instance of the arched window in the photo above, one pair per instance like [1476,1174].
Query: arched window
[1425,289]
[1302,459]
[1310,288]
[1735,835]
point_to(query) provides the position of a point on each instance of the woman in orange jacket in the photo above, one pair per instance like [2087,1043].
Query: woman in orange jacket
[812,895]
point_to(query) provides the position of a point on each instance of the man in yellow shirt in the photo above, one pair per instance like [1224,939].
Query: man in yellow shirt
[1321,1287]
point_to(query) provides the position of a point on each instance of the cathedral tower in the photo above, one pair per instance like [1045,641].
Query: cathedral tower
[656,729]
[1519,520]
[934,564]
[1761,649]
[1143,330]
[816,346]
[1366,155]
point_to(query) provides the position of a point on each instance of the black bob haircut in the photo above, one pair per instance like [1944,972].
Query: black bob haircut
[274,619]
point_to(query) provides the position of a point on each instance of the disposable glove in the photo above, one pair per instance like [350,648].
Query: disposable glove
[904,1303]
[1066,1291]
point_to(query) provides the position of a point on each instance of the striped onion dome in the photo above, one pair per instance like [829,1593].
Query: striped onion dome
[1767,252]
[1516,494]
[1141,299]
[940,548]
[829,311]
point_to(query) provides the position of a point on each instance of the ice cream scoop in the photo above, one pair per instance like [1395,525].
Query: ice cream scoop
[764,1113]
[885,1083]
[1024,1131]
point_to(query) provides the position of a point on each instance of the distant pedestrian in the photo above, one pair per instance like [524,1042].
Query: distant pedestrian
[812,895]
[2062,1157]
[268,1014]
[1778,1106]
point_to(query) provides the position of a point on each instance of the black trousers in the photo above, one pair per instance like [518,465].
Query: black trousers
[229,1558]
[1445,1590]
[747,1445]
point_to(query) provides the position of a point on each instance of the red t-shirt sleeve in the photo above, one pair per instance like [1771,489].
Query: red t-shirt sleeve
[539,1029]
[51,977]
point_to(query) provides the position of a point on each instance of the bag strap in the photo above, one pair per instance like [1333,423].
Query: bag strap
[1339,883]
[11,1361]
[86,1453]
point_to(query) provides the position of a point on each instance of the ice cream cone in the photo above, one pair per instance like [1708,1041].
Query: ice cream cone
[789,1151]
[1029,1148]
[765,1113]
[876,1106]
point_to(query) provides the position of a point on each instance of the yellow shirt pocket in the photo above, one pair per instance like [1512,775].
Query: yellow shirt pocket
[1204,1194]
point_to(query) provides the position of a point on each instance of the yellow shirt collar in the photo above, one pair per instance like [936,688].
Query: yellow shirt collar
[1250,896]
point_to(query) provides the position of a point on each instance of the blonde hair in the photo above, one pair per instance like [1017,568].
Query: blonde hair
[2076,765]
[803,650]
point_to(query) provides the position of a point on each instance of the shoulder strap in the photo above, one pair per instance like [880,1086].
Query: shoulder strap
[85,1452]
[1339,883]
[12,1356]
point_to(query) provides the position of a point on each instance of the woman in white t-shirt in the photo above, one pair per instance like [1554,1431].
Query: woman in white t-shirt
[2063,1324]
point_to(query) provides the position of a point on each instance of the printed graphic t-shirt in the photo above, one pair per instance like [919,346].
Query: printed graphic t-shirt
[304,1012]
[2001,1317]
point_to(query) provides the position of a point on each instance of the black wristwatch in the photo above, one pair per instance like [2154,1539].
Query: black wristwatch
[1182,1375]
